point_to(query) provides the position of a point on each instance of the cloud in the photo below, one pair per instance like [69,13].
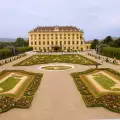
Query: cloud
[98,18]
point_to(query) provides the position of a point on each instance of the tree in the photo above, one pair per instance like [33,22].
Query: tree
[116,43]
[20,42]
[94,43]
[108,40]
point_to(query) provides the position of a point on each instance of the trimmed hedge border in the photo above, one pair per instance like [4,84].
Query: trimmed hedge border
[110,52]
[110,101]
[7,103]
[19,64]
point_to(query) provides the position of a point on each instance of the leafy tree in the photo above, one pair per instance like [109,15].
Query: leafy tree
[94,43]
[20,42]
[116,43]
[108,40]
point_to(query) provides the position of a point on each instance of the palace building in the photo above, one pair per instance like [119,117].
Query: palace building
[62,38]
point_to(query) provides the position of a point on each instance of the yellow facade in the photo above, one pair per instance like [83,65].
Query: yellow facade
[66,38]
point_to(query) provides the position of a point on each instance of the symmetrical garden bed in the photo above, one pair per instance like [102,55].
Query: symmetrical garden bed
[17,88]
[43,59]
[99,88]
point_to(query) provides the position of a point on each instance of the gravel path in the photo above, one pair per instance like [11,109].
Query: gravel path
[57,98]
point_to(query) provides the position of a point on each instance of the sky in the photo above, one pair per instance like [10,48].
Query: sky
[97,18]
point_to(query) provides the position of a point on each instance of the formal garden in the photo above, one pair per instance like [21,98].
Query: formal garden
[99,88]
[65,58]
[17,88]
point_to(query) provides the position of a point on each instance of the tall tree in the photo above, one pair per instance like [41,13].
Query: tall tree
[94,43]
[108,40]
[20,42]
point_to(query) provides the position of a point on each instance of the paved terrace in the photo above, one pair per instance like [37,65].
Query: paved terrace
[57,97]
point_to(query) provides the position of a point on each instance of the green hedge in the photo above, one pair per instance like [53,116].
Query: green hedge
[5,53]
[111,52]
[23,49]
[8,52]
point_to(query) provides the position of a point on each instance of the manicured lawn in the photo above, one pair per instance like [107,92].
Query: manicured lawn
[42,59]
[104,81]
[8,84]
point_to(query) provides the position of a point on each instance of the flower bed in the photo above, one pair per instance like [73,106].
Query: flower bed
[43,59]
[8,102]
[110,101]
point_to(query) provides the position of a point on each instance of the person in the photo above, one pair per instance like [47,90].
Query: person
[96,66]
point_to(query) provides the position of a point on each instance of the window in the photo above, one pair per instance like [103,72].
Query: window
[72,34]
[60,37]
[64,48]
[60,42]
[81,42]
[64,42]
[39,43]
[43,37]
[56,42]
[68,42]
[39,38]
[77,48]
[68,34]
[68,37]
[77,42]
[73,42]
[43,42]
[47,42]
[77,37]
[31,43]
[52,42]
[48,48]
[35,43]
[64,37]
[39,35]
[56,37]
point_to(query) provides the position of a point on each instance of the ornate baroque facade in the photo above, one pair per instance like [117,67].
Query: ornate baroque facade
[66,38]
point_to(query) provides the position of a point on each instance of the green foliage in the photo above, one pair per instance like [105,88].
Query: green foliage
[111,52]
[6,52]
[20,42]
[94,43]
[108,40]
[23,49]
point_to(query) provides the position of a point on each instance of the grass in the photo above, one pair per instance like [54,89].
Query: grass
[56,67]
[8,84]
[104,81]
[11,82]
[43,59]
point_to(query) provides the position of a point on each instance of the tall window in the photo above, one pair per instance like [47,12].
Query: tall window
[47,42]
[39,43]
[81,42]
[52,42]
[31,43]
[68,42]
[73,42]
[64,42]
[35,43]
[43,42]
[77,42]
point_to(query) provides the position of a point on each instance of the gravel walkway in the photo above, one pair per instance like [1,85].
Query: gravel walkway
[57,97]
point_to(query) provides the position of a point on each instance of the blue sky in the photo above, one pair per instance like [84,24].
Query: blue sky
[98,18]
